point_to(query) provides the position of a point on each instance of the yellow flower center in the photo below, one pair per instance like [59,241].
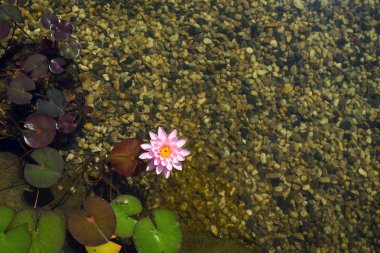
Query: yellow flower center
[165,151]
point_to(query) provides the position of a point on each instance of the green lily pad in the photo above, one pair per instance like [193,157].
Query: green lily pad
[161,235]
[95,224]
[125,206]
[16,240]
[48,170]
[9,12]
[47,229]
[56,104]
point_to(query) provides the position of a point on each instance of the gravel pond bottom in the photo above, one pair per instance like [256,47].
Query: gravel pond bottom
[279,102]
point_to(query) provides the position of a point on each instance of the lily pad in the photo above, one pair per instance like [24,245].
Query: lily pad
[95,224]
[40,130]
[11,12]
[16,239]
[18,90]
[5,29]
[48,170]
[109,247]
[47,19]
[125,206]
[47,228]
[66,123]
[56,65]
[56,104]
[61,30]
[161,235]
[70,48]
[36,65]
[124,157]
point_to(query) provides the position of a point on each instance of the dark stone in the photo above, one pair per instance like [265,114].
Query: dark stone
[341,42]
[284,204]
[275,181]
[97,67]
[254,31]
[346,125]
[292,109]
[192,31]
[316,5]
[244,132]
[377,28]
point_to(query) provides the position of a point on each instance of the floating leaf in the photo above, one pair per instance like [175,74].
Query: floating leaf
[61,30]
[47,19]
[47,171]
[46,46]
[16,239]
[125,206]
[40,130]
[95,224]
[124,157]
[69,49]
[66,123]
[109,247]
[56,65]
[11,12]
[36,65]
[47,227]
[18,90]
[56,104]
[161,235]
[5,29]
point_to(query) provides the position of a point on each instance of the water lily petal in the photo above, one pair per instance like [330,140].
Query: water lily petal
[185,152]
[159,169]
[145,156]
[167,173]
[177,166]
[150,166]
[181,142]
[169,166]
[153,136]
[173,134]
[146,146]
[161,134]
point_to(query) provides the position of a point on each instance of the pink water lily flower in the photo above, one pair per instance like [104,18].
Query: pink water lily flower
[165,152]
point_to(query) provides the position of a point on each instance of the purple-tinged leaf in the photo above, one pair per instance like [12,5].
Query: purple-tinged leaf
[47,19]
[56,104]
[56,65]
[46,46]
[61,30]
[18,90]
[36,65]
[40,130]
[66,123]
[69,49]
[5,29]
[95,224]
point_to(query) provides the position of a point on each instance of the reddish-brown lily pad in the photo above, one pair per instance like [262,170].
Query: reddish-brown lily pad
[95,224]
[124,157]
[40,130]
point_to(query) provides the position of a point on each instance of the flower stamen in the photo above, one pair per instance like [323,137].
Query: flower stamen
[165,151]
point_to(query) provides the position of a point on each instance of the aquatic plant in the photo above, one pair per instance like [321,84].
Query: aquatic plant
[161,233]
[124,157]
[95,225]
[47,229]
[16,239]
[165,152]
[126,206]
